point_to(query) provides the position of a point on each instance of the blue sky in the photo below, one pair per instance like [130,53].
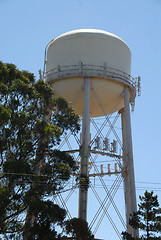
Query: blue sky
[26,26]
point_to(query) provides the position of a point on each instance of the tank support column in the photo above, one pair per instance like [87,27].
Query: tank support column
[129,178]
[84,152]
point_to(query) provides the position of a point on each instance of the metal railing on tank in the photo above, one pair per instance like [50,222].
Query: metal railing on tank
[86,70]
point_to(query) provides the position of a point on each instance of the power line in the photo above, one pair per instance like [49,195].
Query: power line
[33,175]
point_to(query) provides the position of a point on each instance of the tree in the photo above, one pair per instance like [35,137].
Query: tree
[147,218]
[32,122]
[78,229]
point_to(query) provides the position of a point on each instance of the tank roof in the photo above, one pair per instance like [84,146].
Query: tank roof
[96,32]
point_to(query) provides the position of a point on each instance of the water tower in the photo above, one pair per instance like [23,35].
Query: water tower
[91,69]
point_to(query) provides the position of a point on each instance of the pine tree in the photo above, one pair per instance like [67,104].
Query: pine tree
[32,170]
[148,217]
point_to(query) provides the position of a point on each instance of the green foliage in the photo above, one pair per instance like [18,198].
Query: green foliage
[83,181]
[127,236]
[78,229]
[147,218]
[32,122]
[46,213]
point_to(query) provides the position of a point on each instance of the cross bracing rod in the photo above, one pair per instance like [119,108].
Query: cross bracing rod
[64,201]
[70,193]
[64,206]
[66,137]
[107,214]
[113,190]
[67,141]
[108,193]
[99,130]
[112,124]
[103,215]
[77,97]
[107,117]
[64,140]
[94,159]
[61,202]
[77,139]
[110,197]
[118,182]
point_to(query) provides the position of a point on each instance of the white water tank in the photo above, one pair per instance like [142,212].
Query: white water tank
[97,54]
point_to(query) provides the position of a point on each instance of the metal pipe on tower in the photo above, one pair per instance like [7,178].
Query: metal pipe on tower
[84,152]
[129,148]
[129,178]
